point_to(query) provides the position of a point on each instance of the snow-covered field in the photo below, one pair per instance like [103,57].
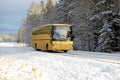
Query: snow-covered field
[24,63]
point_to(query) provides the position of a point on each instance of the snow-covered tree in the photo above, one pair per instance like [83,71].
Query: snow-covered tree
[20,35]
[8,37]
[49,5]
[48,16]
[33,19]
[107,21]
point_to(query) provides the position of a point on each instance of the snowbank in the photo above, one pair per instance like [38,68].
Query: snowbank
[57,68]
[12,44]
[7,44]
[18,70]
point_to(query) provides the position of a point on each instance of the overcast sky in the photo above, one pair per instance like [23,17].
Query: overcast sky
[12,12]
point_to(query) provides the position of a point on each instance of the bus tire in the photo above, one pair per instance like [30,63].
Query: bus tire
[46,47]
[36,46]
[65,51]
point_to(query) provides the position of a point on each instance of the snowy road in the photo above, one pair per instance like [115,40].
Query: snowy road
[24,63]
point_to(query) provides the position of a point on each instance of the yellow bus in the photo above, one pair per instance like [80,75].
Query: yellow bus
[53,37]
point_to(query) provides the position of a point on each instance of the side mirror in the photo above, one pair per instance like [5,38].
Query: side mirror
[72,36]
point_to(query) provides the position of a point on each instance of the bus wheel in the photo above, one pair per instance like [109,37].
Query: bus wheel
[36,46]
[65,50]
[47,47]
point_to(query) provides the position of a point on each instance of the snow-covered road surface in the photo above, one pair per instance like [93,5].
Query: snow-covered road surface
[24,63]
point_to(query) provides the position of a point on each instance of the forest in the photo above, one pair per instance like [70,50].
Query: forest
[96,23]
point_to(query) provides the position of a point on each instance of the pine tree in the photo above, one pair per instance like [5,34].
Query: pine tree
[42,7]
[49,5]
[106,17]
[48,16]
[20,35]
[32,9]
[33,20]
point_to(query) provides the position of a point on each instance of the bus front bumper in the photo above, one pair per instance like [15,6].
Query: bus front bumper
[62,45]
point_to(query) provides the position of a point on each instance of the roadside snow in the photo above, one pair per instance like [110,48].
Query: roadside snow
[11,69]
[12,44]
[99,56]
[9,44]
[24,63]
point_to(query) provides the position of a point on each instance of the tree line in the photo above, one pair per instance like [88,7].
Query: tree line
[96,23]
[8,37]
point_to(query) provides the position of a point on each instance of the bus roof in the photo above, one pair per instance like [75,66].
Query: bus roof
[50,25]
[60,24]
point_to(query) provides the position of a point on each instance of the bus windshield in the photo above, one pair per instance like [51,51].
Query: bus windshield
[62,33]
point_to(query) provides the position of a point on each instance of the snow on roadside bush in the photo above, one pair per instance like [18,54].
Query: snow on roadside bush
[12,44]
[18,70]
[20,45]
[7,44]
